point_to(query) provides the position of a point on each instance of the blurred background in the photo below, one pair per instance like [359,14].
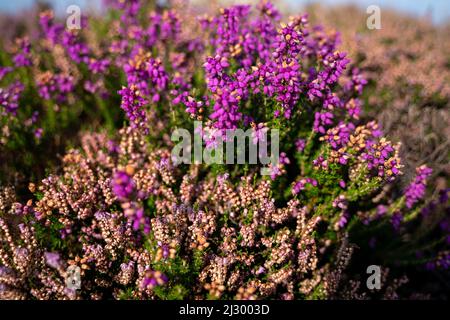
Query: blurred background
[437,10]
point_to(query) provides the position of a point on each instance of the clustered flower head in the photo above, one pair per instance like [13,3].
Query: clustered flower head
[132,104]
[301,184]
[379,158]
[54,86]
[416,190]
[123,185]
[23,57]
[9,97]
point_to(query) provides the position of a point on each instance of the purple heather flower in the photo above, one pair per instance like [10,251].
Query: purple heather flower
[356,82]
[133,105]
[229,28]
[4,71]
[381,210]
[229,92]
[281,76]
[320,163]
[170,26]
[38,133]
[92,87]
[51,30]
[158,77]
[146,74]
[129,11]
[112,146]
[192,106]
[380,158]
[153,279]
[340,202]
[23,57]
[320,81]
[138,218]
[353,107]
[301,184]
[55,86]
[123,185]
[300,145]
[441,261]
[331,101]
[259,133]
[322,120]
[278,169]
[416,190]
[98,65]
[165,250]
[9,98]
[53,259]
[340,135]
[335,64]
[76,49]
[342,221]
[260,270]
[396,220]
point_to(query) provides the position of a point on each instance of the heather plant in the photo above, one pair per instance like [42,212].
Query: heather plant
[111,200]
[406,64]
